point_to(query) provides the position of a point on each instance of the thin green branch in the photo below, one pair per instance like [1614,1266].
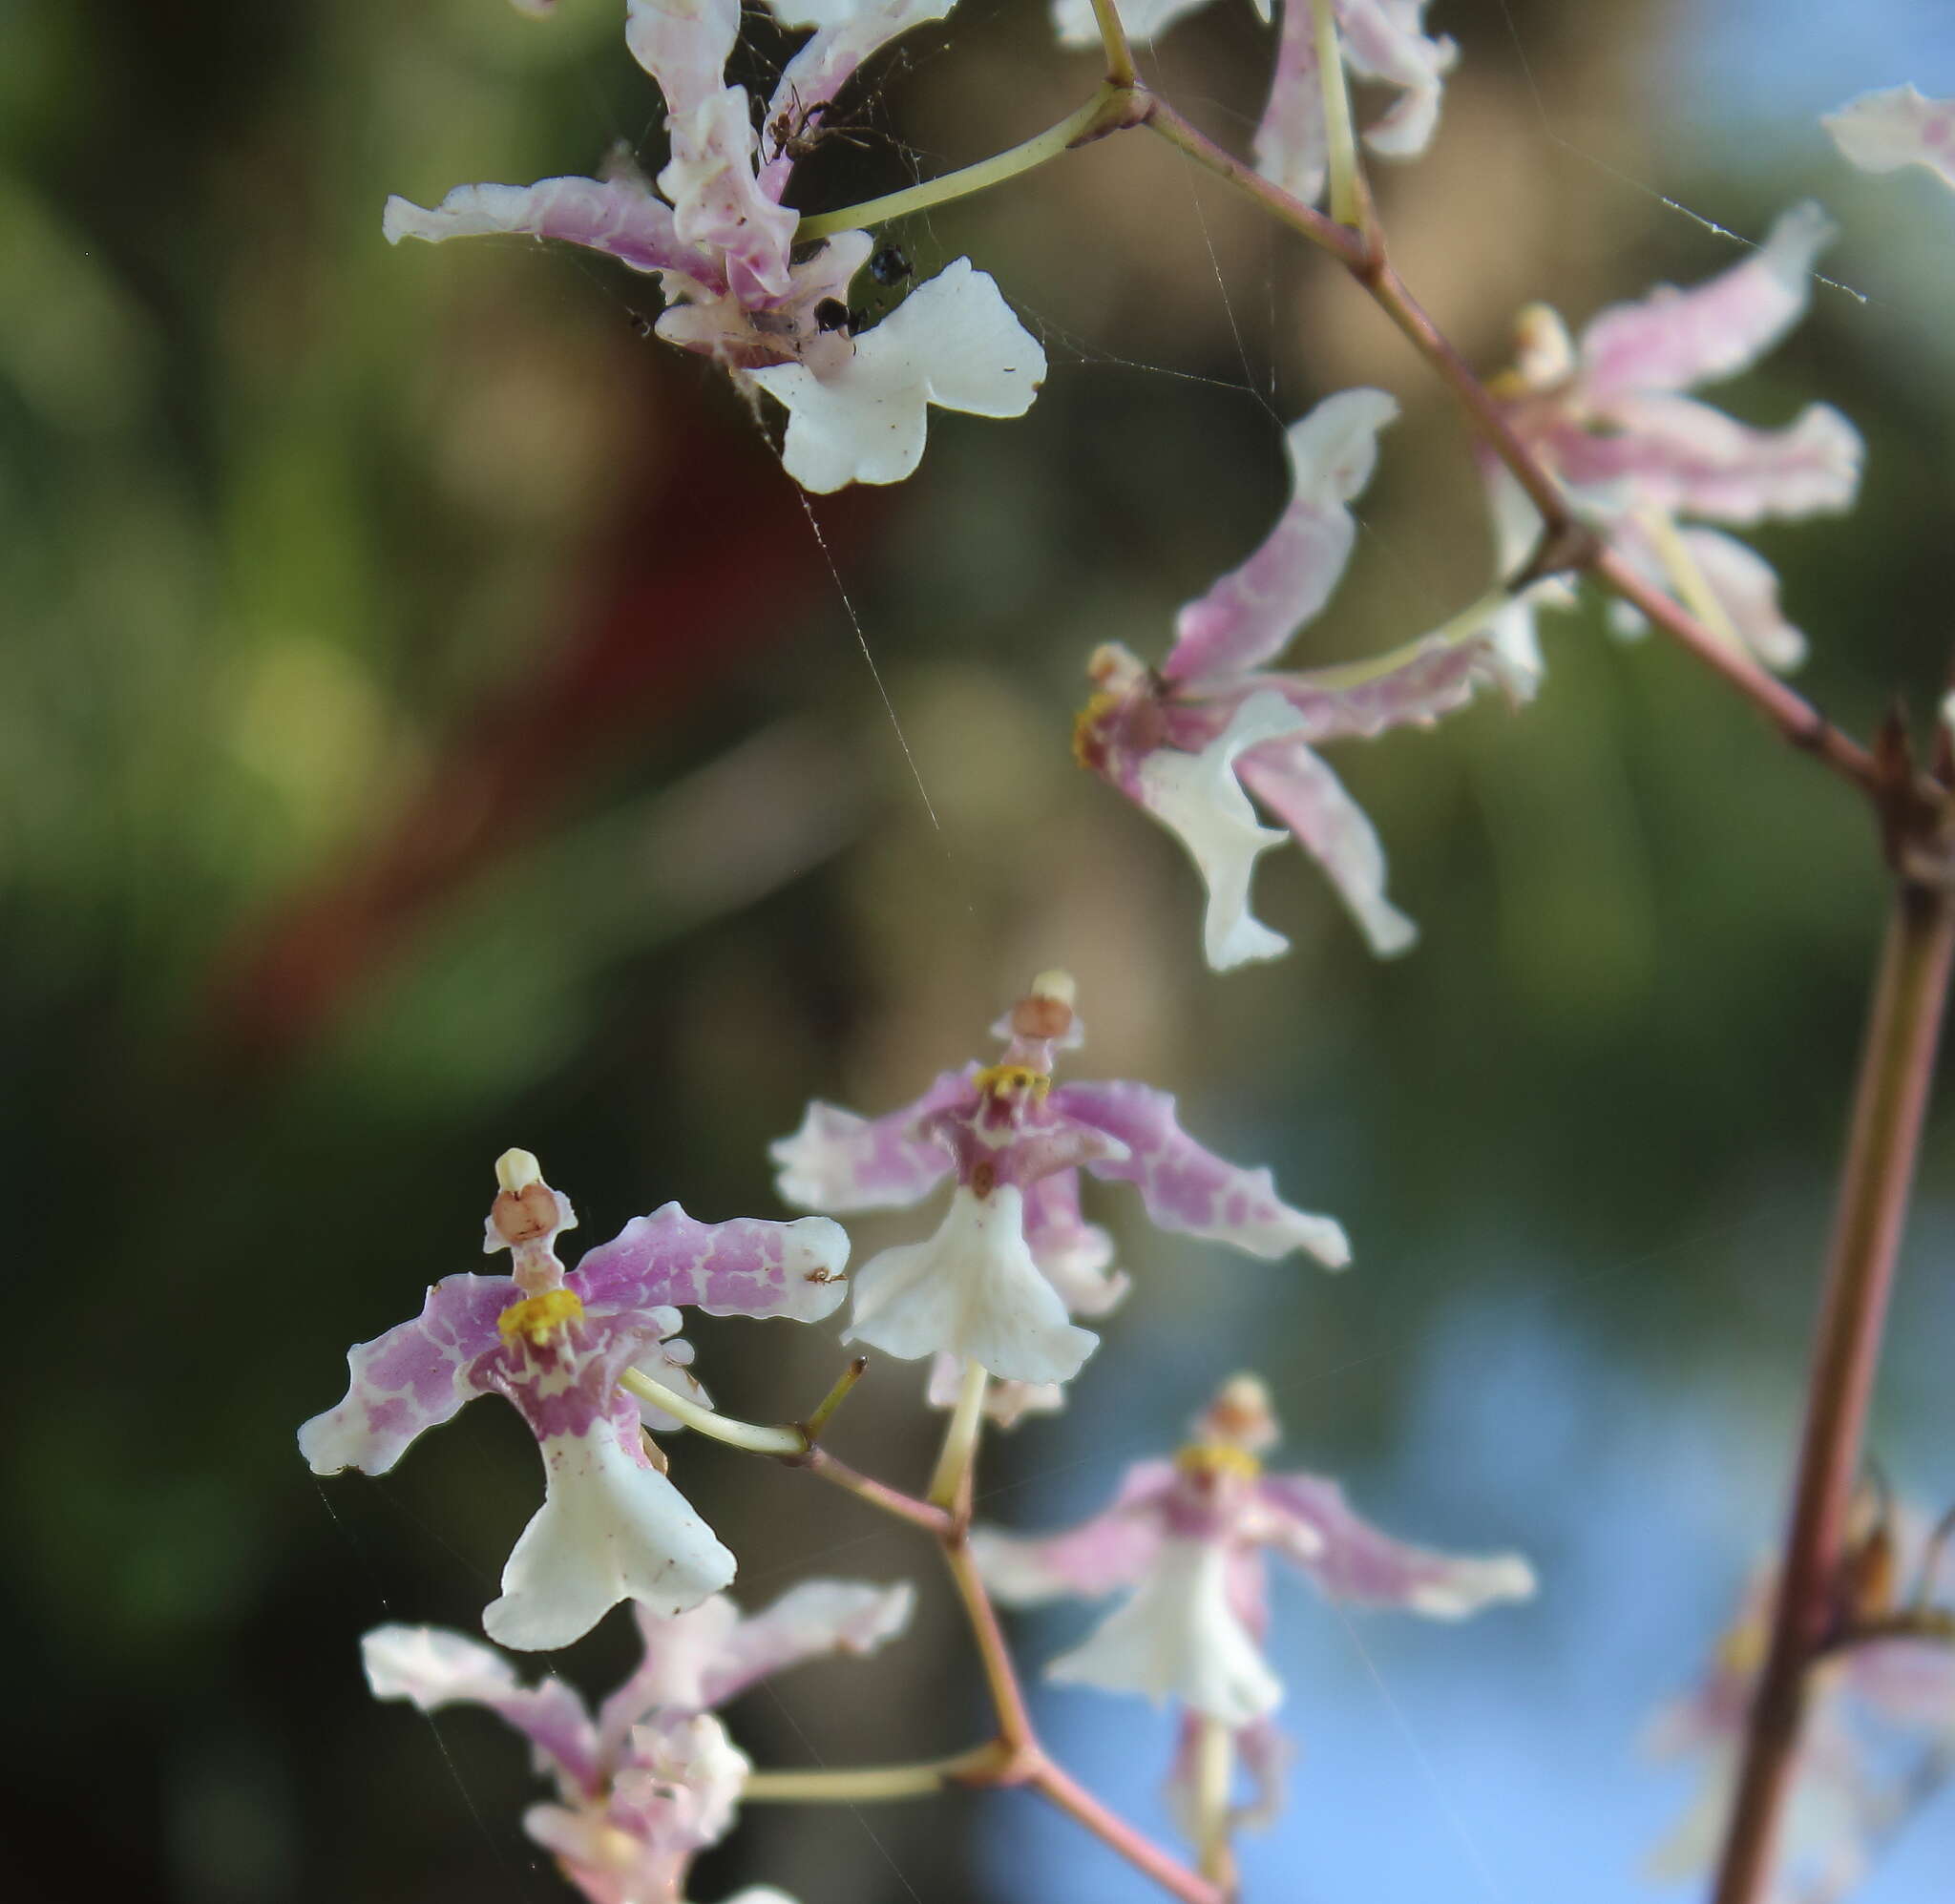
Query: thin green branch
[784,1442]
[1120,56]
[855,1784]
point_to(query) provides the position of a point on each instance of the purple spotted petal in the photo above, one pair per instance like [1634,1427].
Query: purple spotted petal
[808,1622]
[1881,132]
[1686,459]
[1673,339]
[1112,1550]
[432,1667]
[1191,1190]
[618,216]
[1252,613]
[411,1378]
[1352,1560]
[683,44]
[839,1161]
[744,1266]
[1073,1255]
[1299,789]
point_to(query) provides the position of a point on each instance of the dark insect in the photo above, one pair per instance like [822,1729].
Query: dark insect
[889,266]
[831,314]
[640,323]
[796,130]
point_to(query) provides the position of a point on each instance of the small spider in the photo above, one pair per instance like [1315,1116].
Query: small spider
[889,266]
[796,130]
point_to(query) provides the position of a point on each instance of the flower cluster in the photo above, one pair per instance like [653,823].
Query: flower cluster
[1608,416]
[1012,1260]
[1191,741]
[651,1779]
[1187,1538]
[612,1527]
[738,287]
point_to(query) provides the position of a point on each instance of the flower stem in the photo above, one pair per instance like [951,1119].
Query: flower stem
[784,1442]
[1120,56]
[877,1494]
[845,1383]
[1215,1773]
[1889,1106]
[855,1783]
[1142,1853]
[1350,199]
[1102,110]
[961,1440]
[1007,1696]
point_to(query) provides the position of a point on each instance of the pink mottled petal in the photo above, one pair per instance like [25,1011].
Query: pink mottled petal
[1290,148]
[1747,586]
[1385,41]
[1673,339]
[1310,801]
[1252,613]
[1191,1190]
[609,1529]
[1112,1550]
[618,216]
[683,44]
[1688,459]
[678,1787]
[808,1622]
[839,1161]
[744,1267]
[717,203]
[1352,1560]
[680,1652]
[1073,1255]
[410,1379]
[1411,687]
[1881,132]
[432,1667]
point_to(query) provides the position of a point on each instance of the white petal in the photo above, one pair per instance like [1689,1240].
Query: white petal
[608,1530]
[954,342]
[1197,797]
[1178,1638]
[1881,132]
[973,1290]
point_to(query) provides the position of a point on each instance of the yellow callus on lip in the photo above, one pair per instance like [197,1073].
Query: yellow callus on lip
[997,1078]
[1218,1458]
[538,1316]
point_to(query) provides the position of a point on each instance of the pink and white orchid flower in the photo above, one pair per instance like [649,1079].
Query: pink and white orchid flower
[1608,416]
[612,1527]
[738,287]
[1012,1260]
[1868,1705]
[1188,1539]
[1881,132]
[652,1778]
[1381,42]
[1191,741]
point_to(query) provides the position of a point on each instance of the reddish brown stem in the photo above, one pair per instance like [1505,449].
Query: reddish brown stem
[1889,1106]
[1078,1803]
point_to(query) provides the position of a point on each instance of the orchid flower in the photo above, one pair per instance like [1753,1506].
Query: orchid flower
[652,1778]
[1012,1260]
[1881,132]
[1869,1704]
[612,1527]
[1187,1537]
[1192,741]
[1607,417]
[738,287]
[1381,41]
